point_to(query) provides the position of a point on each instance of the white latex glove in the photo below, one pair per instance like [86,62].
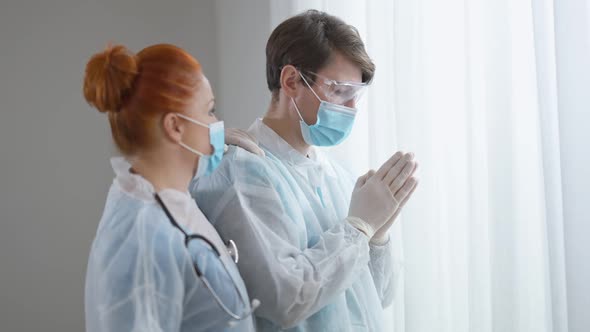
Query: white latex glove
[402,183]
[373,203]
[242,139]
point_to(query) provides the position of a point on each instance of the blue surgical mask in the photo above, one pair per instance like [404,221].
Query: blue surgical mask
[208,163]
[333,125]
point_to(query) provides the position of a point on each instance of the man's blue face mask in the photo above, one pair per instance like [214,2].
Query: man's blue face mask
[333,125]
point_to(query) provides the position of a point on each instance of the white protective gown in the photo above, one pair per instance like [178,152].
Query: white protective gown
[310,269]
[141,276]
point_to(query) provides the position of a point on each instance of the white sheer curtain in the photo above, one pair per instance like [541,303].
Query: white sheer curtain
[469,86]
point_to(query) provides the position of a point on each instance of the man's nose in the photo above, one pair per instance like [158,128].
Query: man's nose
[351,103]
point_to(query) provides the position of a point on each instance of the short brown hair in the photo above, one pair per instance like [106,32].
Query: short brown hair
[307,41]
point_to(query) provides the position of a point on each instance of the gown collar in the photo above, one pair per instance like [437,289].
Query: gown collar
[277,146]
[317,164]
[181,204]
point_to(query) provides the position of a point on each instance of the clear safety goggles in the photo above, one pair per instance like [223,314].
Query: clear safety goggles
[338,92]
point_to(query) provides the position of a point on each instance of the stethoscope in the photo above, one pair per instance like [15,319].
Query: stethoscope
[233,251]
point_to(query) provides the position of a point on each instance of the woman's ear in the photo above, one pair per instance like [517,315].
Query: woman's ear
[290,80]
[173,127]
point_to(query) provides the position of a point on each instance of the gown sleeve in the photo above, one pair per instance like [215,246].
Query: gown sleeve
[385,270]
[135,278]
[291,280]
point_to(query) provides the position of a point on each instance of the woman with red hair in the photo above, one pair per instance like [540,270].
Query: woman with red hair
[156,263]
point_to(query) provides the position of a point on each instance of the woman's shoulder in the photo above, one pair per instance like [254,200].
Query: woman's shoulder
[237,165]
[132,228]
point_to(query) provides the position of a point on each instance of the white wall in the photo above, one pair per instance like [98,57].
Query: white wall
[55,149]
[242,30]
